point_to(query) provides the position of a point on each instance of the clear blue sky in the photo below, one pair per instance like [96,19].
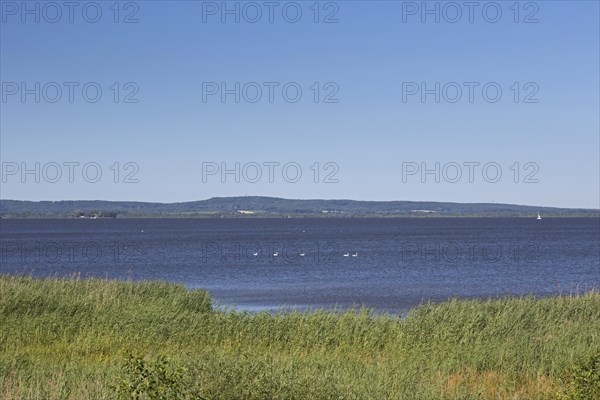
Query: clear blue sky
[369,55]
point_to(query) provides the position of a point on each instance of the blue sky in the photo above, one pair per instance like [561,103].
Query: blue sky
[364,136]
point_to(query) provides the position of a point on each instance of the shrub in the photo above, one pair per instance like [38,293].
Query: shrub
[149,380]
[583,381]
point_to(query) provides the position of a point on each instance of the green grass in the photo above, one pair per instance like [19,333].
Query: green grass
[97,339]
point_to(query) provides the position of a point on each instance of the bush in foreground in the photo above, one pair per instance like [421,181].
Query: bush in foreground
[583,380]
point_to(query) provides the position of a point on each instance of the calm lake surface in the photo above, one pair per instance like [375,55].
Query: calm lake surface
[256,264]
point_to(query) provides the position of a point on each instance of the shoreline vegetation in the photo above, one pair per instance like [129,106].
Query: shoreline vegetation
[271,207]
[107,339]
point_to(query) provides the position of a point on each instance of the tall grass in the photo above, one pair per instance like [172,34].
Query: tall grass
[97,339]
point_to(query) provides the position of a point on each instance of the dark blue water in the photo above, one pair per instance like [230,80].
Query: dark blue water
[388,264]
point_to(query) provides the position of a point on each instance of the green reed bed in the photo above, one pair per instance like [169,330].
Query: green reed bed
[106,339]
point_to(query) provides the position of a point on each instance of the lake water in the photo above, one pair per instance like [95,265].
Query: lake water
[256,264]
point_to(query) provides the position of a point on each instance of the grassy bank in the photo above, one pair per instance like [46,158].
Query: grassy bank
[92,339]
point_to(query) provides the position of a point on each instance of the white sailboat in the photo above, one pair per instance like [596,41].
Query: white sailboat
[539,216]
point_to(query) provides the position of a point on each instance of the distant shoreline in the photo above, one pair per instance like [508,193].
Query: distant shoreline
[226,216]
[271,207]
